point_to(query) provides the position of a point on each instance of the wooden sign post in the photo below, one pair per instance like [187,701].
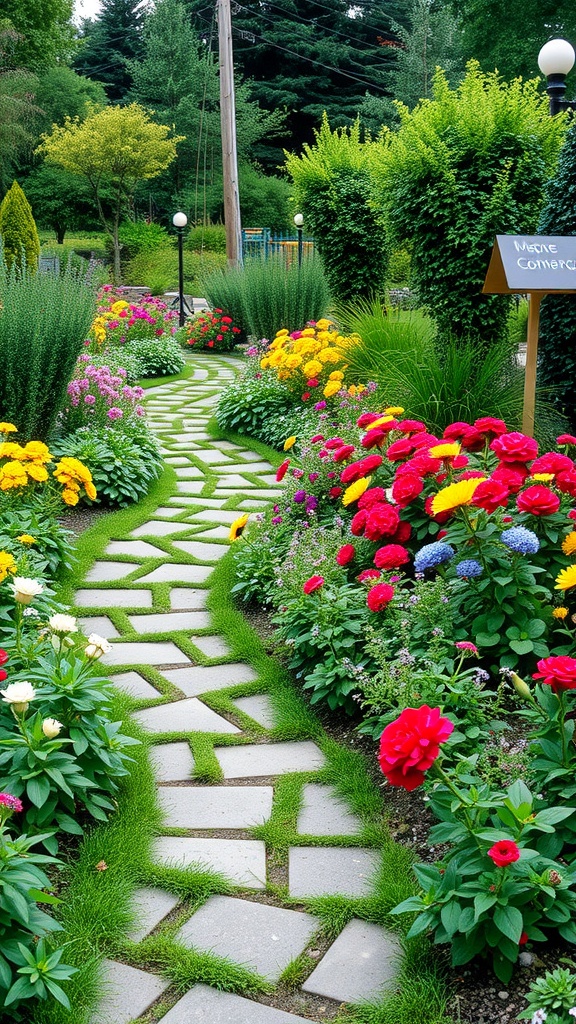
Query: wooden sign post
[536,265]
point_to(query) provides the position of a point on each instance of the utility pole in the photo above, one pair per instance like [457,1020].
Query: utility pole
[228,126]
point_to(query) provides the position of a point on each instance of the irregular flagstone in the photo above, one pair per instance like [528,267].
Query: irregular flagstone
[259,707]
[324,870]
[209,1006]
[190,486]
[166,510]
[128,993]
[134,548]
[156,528]
[324,813]
[188,715]
[187,598]
[359,966]
[244,467]
[211,503]
[211,456]
[153,653]
[210,532]
[134,685]
[240,860]
[253,759]
[176,572]
[117,598]
[197,679]
[202,550]
[172,762]
[212,646]
[234,481]
[169,622]
[258,936]
[99,624]
[103,572]
[215,806]
[150,908]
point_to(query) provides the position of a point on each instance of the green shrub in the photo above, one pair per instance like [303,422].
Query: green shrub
[154,357]
[249,402]
[138,237]
[206,238]
[399,267]
[18,232]
[44,320]
[159,270]
[265,296]
[264,199]
[124,463]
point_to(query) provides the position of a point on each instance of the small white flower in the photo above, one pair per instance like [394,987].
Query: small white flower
[24,589]
[572,1012]
[18,695]
[51,728]
[97,646]
[63,624]
[539,1017]
[31,612]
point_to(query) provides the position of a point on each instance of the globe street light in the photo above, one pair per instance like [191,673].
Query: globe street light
[556,60]
[180,221]
[299,220]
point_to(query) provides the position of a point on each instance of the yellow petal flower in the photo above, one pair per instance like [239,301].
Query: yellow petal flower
[545,477]
[237,527]
[380,421]
[356,490]
[332,388]
[566,578]
[560,613]
[569,543]
[289,442]
[8,428]
[455,495]
[25,538]
[443,451]
[394,410]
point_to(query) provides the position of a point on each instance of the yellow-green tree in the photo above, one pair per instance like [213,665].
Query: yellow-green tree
[113,149]
[18,232]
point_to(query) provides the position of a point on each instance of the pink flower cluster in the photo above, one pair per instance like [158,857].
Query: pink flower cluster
[149,317]
[97,395]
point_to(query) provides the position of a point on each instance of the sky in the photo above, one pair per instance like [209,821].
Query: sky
[85,9]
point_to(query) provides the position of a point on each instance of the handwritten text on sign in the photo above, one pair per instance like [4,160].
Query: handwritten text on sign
[525,263]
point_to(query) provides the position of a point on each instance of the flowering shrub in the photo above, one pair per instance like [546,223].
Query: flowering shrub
[97,396]
[23,470]
[311,362]
[118,321]
[124,458]
[212,330]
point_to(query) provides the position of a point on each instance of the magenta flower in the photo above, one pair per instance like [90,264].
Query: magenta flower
[114,413]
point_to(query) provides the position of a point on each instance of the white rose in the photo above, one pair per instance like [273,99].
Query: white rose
[18,695]
[51,728]
[97,646]
[63,624]
[25,589]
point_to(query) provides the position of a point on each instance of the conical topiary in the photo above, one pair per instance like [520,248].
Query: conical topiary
[18,230]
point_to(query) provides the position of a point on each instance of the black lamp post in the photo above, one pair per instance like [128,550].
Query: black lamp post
[556,60]
[299,220]
[180,221]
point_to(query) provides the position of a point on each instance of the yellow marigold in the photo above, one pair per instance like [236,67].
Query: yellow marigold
[12,474]
[336,375]
[443,451]
[356,389]
[70,497]
[323,324]
[265,363]
[394,410]
[276,359]
[25,538]
[118,306]
[237,527]
[330,355]
[308,332]
[569,543]
[90,490]
[544,477]
[312,368]
[11,450]
[455,495]
[309,348]
[37,472]
[380,421]
[8,428]
[7,564]
[289,442]
[560,613]
[356,490]
[37,451]
[566,578]
[282,334]
[332,388]
[293,361]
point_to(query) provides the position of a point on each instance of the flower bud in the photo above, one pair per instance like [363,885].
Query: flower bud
[554,877]
[522,688]
[51,728]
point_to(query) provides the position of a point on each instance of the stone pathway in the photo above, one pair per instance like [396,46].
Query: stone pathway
[148,595]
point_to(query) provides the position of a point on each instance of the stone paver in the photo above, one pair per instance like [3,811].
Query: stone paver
[188,715]
[324,813]
[190,486]
[240,860]
[205,1005]
[117,598]
[260,937]
[211,532]
[150,908]
[262,759]
[212,646]
[128,993]
[168,622]
[326,870]
[176,572]
[134,548]
[157,528]
[197,679]
[99,624]
[188,598]
[172,762]
[134,685]
[211,456]
[166,510]
[202,550]
[215,806]
[259,707]
[104,572]
[213,516]
[161,653]
[358,966]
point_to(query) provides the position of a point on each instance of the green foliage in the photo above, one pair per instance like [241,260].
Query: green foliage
[333,190]
[124,463]
[139,237]
[44,33]
[154,357]
[399,267]
[51,548]
[43,323]
[264,199]
[265,296]
[248,402]
[431,40]
[109,43]
[159,270]
[18,112]
[555,993]
[466,165]
[63,93]
[207,238]
[60,200]
[18,234]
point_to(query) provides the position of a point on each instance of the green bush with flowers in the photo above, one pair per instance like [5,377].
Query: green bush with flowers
[211,330]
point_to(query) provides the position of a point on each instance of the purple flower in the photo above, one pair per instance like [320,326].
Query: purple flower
[114,413]
[312,477]
[319,406]
[299,497]
[89,400]
[277,519]
[311,503]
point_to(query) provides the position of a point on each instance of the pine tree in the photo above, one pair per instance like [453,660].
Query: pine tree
[18,230]
[432,40]
[108,44]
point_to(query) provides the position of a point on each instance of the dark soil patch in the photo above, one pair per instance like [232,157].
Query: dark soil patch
[80,518]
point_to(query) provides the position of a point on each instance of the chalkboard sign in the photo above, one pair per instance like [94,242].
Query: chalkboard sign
[532,263]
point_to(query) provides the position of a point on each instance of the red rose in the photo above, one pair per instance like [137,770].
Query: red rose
[219,337]
[472,474]
[346,554]
[551,462]
[557,671]
[4,656]
[490,425]
[400,449]
[235,330]
[391,556]
[410,745]
[371,497]
[335,492]
[381,521]
[344,453]
[411,426]
[282,470]
[305,396]
[366,419]
[456,431]
[510,476]
[370,463]
[406,488]
[317,438]
[420,464]
[566,482]
[314,583]
[3,675]
[379,596]
[368,574]
[312,383]
[333,443]
[490,495]
[538,501]
[210,344]
[374,438]
[470,438]
[566,439]
[402,533]
[504,852]
[424,440]
[226,319]
[515,447]
[460,461]
[352,472]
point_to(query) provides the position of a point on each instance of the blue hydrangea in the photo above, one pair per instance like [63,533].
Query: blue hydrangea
[469,568]
[519,539]
[431,555]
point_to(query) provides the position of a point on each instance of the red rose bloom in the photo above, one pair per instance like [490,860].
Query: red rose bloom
[402,533]
[282,470]
[515,447]
[335,492]
[4,656]
[352,472]
[366,419]
[346,554]
[411,426]
[381,521]
[420,464]
[538,501]
[374,438]
[551,462]
[557,671]
[3,675]
[391,556]
[504,852]
[400,449]
[410,745]
[312,383]
[333,443]
[472,474]
[406,488]
[314,583]
[510,478]
[306,396]
[490,425]
[358,523]
[460,462]
[566,439]
[371,496]
[470,438]
[317,438]
[370,463]
[566,482]
[344,453]
[490,495]
[379,596]
[368,574]
[455,431]
[424,440]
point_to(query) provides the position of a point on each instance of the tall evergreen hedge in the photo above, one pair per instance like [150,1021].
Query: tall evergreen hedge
[18,230]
